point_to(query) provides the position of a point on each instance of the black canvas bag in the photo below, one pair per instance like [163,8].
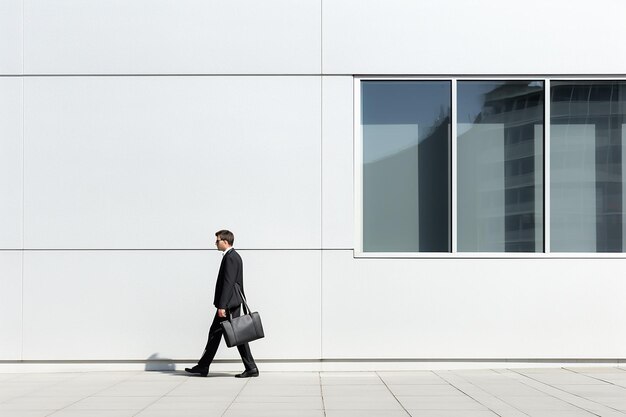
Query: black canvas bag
[242,329]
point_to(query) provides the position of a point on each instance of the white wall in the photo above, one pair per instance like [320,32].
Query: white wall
[11,37]
[337,163]
[144,126]
[171,37]
[472,308]
[134,304]
[163,162]
[11,162]
[471,37]
[11,305]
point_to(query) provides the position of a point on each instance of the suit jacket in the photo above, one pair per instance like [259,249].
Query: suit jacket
[231,273]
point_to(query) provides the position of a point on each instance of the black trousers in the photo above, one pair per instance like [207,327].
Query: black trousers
[215,336]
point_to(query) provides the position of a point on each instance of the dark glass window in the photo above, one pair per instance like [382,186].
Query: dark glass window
[587,177]
[500,166]
[406,170]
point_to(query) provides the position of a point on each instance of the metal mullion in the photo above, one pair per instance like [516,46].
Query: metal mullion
[357,144]
[453,167]
[546,167]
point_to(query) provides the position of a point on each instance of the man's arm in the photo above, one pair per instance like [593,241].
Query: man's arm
[230,275]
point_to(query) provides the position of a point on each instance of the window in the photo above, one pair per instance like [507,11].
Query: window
[587,173]
[406,174]
[448,166]
[500,166]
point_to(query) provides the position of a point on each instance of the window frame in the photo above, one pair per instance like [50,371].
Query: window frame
[455,254]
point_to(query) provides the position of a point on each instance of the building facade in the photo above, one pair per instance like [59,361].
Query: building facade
[425,181]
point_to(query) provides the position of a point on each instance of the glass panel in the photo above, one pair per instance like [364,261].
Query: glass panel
[586,154]
[500,166]
[406,170]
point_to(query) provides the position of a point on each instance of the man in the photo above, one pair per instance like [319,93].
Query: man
[227,301]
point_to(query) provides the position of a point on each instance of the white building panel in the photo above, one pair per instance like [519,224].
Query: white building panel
[116,304]
[471,37]
[172,37]
[285,288]
[137,304]
[164,162]
[337,163]
[11,153]
[472,308]
[11,35]
[11,305]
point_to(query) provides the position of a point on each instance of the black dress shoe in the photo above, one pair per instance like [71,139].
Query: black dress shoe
[248,374]
[201,370]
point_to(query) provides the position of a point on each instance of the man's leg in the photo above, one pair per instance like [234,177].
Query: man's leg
[215,336]
[246,357]
[244,350]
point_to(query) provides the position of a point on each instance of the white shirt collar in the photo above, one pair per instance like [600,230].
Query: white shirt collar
[226,251]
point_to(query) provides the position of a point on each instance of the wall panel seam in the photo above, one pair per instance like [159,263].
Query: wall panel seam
[23,193]
[321,210]
[48,75]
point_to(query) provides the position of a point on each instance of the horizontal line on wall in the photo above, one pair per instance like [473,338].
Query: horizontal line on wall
[541,360]
[619,255]
[171,75]
[485,75]
[369,360]
[173,249]
[364,75]
[450,256]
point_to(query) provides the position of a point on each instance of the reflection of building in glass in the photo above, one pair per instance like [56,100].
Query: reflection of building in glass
[406,166]
[434,186]
[518,107]
[587,181]
[424,169]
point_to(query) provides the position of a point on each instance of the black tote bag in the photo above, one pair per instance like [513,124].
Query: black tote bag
[242,329]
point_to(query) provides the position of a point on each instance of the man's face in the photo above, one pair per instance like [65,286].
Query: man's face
[222,245]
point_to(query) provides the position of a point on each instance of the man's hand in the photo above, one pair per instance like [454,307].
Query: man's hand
[221,312]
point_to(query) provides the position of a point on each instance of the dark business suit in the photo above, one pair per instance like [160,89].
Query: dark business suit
[228,298]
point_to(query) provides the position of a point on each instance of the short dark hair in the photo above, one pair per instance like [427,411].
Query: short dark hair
[226,235]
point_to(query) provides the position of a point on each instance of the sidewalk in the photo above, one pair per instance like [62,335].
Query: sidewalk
[565,392]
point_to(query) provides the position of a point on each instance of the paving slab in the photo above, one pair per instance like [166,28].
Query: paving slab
[544,392]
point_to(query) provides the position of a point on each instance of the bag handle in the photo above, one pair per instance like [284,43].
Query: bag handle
[246,309]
